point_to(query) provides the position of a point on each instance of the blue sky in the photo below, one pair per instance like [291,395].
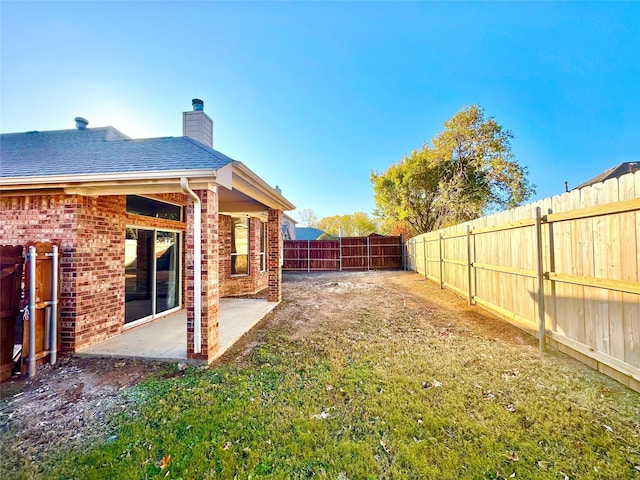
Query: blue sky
[312,96]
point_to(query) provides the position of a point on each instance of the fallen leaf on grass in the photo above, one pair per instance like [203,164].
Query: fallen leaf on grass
[166,460]
[227,446]
[513,456]
[543,465]
[637,467]
[427,384]
[607,428]
[384,445]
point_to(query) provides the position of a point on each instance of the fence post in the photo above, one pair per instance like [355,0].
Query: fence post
[31,359]
[441,245]
[340,252]
[308,256]
[424,254]
[552,268]
[469,264]
[368,255]
[540,278]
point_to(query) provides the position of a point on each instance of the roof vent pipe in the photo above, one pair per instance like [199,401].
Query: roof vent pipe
[198,105]
[81,123]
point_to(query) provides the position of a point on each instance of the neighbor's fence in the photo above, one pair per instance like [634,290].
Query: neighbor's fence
[567,267]
[347,253]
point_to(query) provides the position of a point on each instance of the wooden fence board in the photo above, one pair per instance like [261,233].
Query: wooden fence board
[579,252]
[601,254]
[11,264]
[585,244]
[348,253]
[631,271]
[614,271]
[591,260]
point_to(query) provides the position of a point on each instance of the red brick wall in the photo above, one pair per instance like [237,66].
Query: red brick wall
[90,231]
[91,235]
[274,248]
[99,279]
[256,280]
[209,290]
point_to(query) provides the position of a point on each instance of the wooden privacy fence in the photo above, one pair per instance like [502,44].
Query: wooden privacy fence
[11,261]
[347,253]
[566,269]
[29,325]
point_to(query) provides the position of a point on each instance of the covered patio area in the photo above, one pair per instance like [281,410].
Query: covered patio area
[165,339]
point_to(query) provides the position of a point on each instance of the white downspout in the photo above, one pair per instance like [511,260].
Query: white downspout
[31,359]
[197,265]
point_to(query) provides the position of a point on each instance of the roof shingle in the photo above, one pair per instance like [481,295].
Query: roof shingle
[100,150]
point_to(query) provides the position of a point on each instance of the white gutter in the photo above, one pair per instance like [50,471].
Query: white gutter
[98,179]
[197,265]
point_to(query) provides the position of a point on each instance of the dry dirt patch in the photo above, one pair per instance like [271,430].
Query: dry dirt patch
[67,404]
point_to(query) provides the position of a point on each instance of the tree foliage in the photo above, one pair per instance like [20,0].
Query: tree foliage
[467,171]
[308,218]
[358,224]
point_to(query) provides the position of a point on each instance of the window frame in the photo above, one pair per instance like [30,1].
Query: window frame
[235,255]
[263,246]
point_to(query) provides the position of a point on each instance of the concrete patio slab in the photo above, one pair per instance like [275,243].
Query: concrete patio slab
[165,339]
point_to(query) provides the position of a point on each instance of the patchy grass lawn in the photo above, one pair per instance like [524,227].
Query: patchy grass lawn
[354,377]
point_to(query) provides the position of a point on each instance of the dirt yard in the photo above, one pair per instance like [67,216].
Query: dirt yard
[71,403]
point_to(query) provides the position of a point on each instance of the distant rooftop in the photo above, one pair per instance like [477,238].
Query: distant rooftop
[614,172]
[308,233]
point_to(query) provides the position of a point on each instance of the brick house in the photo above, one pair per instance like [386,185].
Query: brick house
[146,227]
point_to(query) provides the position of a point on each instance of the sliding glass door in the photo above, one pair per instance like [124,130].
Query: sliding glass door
[167,280]
[152,273]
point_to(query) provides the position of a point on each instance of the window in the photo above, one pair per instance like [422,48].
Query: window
[153,208]
[239,246]
[263,246]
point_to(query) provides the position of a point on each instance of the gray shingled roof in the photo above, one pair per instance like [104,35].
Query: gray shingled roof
[614,172]
[100,150]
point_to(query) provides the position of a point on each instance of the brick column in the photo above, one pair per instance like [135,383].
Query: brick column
[274,252]
[209,291]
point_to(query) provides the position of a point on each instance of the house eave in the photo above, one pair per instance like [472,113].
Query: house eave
[247,182]
[165,181]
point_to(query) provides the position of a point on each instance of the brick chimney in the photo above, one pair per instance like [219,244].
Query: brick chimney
[197,124]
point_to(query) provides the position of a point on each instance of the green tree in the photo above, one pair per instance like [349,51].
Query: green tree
[468,170]
[358,224]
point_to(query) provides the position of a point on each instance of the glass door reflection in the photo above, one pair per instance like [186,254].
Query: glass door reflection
[167,270]
[138,273]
